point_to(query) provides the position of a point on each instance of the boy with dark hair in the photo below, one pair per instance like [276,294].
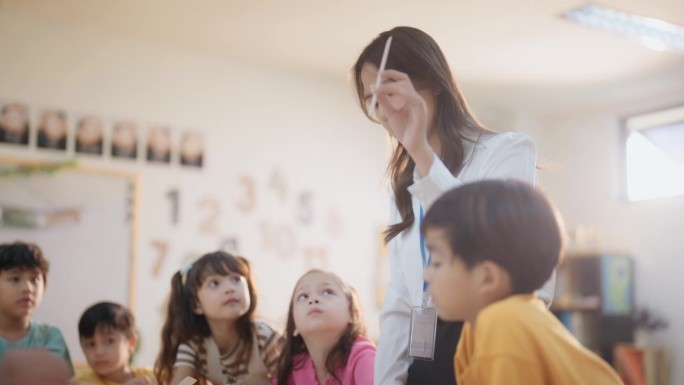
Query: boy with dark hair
[108,339]
[23,275]
[492,244]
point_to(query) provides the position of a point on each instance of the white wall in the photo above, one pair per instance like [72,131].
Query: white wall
[256,121]
[586,184]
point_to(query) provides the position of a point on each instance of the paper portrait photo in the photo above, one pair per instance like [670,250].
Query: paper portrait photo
[14,123]
[125,140]
[191,149]
[52,129]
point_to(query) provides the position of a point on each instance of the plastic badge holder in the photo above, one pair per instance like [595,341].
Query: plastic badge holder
[423,333]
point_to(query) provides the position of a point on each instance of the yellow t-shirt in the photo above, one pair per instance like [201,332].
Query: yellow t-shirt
[519,341]
[89,377]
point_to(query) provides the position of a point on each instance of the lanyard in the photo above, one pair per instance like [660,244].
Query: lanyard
[424,258]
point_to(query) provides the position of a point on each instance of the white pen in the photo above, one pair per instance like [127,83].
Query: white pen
[378,80]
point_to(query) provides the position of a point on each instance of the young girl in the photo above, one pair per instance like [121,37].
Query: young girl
[210,333]
[325,342]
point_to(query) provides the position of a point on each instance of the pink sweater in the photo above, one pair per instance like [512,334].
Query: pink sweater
[359,369]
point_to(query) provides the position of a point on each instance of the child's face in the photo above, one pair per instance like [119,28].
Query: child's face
[108,351]
[450,283]
[223,297]
[21,291]
[320,305]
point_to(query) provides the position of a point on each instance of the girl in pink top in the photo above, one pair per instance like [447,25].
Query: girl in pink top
[325,335]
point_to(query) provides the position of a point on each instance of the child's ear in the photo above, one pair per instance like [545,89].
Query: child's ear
[295,333]
[133,342]
[493,280]
[198,309]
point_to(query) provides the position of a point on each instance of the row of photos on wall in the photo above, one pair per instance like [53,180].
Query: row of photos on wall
[56,130]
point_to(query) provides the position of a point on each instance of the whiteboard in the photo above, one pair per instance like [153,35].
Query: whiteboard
[90,257]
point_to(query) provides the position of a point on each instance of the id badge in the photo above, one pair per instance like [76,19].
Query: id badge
[422,334]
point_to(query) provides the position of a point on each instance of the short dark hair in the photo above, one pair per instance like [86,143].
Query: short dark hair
[107,315]
[504,221]
[24,256]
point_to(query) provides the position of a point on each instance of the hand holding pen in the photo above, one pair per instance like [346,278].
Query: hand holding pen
[402,110]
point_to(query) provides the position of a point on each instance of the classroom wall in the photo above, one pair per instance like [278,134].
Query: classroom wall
[293,171]
[585,180]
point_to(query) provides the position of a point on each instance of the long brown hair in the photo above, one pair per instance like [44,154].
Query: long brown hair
[340,352]
[183,324]
[415,53]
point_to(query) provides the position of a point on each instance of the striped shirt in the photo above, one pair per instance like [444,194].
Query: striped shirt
[195,354]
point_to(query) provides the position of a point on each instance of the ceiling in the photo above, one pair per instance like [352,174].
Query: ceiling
[494,44]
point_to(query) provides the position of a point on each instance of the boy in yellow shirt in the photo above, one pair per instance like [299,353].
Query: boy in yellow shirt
[493,243]
[108,338]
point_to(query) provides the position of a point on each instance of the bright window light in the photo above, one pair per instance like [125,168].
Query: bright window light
[654,33]
[654,148]
[651,173]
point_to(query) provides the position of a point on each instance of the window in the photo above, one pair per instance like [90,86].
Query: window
[654,149]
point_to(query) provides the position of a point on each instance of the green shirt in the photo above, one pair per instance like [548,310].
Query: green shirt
[40,336]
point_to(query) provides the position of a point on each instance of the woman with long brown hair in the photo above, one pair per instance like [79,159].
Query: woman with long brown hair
[440,144]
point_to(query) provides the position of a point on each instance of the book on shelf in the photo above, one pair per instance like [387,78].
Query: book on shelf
[642,365]
[616,289]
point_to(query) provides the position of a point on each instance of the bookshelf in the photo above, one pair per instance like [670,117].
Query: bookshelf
[594,299]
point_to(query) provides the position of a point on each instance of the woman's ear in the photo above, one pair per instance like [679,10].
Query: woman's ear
[295,333]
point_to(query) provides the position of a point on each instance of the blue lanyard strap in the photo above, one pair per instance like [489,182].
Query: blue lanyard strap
[424,258]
